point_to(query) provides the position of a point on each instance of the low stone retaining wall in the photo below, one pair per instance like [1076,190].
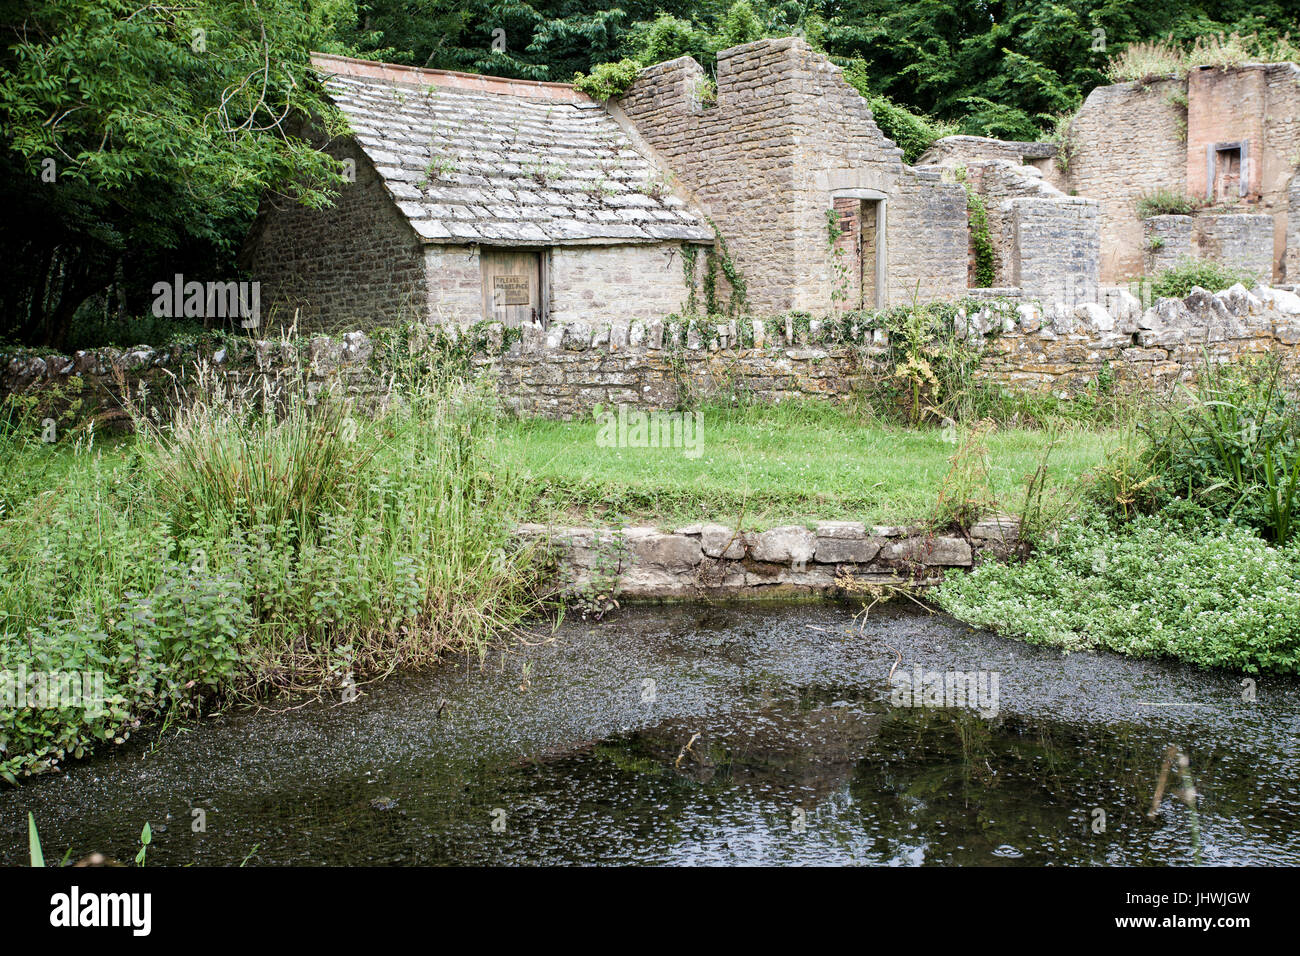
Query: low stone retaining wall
[565,371]
[710,560]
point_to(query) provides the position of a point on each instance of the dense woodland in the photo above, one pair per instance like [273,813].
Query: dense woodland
[138,137]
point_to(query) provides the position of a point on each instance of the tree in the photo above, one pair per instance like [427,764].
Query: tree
[138,138]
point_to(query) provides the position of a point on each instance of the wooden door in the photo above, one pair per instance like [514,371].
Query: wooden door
[514,292]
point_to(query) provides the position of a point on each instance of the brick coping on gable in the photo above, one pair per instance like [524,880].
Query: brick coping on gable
[449,79]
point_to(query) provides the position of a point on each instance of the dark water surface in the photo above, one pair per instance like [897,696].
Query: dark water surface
[801,757]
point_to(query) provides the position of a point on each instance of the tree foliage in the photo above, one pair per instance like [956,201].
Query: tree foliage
[161,150]
[137,141]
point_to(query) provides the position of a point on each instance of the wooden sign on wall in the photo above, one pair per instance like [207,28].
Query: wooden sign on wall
[510,290]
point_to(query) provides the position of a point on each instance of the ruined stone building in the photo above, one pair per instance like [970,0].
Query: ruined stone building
[476,198]
[1226,139]
[487,198]
[518,201]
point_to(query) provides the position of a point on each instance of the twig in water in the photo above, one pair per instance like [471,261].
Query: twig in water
[896,663]
[686,749]
[1187,795]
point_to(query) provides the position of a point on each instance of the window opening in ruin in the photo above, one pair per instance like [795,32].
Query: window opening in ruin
[1226,177]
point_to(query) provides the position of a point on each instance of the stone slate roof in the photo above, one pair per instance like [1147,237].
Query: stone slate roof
[502,162]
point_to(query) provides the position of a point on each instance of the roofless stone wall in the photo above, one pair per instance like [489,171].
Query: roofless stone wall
[569,369]
[785,137]
[1127,141]
[1044,242]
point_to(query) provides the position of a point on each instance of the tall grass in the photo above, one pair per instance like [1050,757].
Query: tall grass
[1229,443]
[1144,61]
[261,540]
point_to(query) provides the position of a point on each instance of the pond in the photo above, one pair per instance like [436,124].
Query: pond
[756,734]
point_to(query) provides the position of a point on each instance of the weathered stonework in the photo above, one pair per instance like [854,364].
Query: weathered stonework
[1241,241]
[1125,142]
[331,267]
[786,137]
[833,557]
[1168,242]
[569,369]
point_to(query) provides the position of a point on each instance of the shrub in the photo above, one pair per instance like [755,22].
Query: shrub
[913,133]
[607,80]
[1165,202]
[1178,585]
[1178,281]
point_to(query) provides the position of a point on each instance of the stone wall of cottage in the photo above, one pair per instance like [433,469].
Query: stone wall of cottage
[1237,240]
[1167,242]
[617,283]
[1046,243]
[1258,105]
[454,285]
[787,135]
[353,264]
[1291,263]
[588,282]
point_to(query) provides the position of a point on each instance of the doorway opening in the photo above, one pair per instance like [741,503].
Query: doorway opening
[1226,177]
[860,249]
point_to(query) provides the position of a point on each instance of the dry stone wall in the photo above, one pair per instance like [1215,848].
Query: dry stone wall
[569,369]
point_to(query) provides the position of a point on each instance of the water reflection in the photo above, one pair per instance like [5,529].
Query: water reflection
[769,736]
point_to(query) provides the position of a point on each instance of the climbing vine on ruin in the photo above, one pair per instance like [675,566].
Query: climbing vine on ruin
[981,242]
[690,255]
[840,282]
[719,255]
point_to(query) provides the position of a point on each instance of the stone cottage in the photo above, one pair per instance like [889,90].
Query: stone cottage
[1228,139]
[476,198]
[486,198]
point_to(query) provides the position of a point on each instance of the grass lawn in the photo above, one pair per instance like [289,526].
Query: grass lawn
[775,465]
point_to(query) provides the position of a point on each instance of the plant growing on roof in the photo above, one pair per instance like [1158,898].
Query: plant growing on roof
[607,80]
[440,167]
[657,186]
